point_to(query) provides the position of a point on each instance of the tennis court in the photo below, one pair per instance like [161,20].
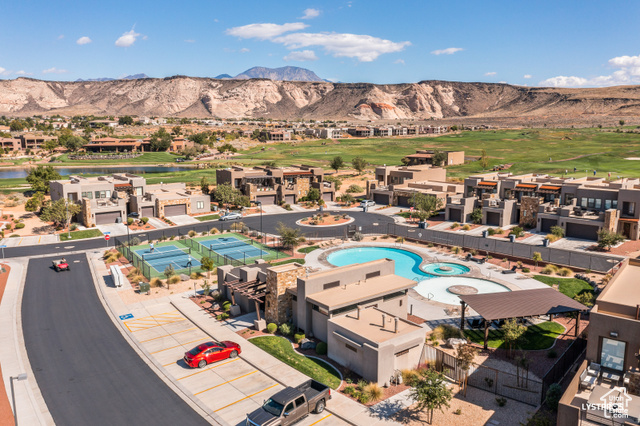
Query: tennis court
[233,248]
[167,255]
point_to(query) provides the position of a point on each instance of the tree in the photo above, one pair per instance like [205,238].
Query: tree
[621,123]
[74,143]
[313,194]
[537,257]
[484,160]
[34,203]
[430,391]
[207,264]
[358,164]
[337,163]
[17,125]
[204,185]
[50,144]
[290,237]
[227,147]
[176,130]
[127,120]
[513,334]
[355,189]
[439,158]
[160,140]
[40,177]
[476,215]
[465,354]
[453,128]
[347,199]
[554,393]
[337,182]
[225,193]
[425,204]
[607,239]
[60,212]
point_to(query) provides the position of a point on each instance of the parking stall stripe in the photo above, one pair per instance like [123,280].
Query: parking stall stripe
[246,397]
[318,421]
[142,327]
[228,381]
[167,335]
[202,371]
[177,346]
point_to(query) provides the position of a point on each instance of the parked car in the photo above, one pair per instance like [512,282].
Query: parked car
[60,265]
[231,216]
[209,352]
[290,405]
[367,203]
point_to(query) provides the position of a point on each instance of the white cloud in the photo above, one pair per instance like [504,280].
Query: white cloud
[54,70]
[245,50]
[84,40]
[310,14]
[502,82]
[23,72]
[527,76]
[628,72]
[127,39]
[303,55]
[61,36]
[265,31]
[190,40]
[490,73]
[4,71]
[399,61]
[447,51]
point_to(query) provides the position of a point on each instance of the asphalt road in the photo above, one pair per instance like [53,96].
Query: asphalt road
[369,222]
[87,372]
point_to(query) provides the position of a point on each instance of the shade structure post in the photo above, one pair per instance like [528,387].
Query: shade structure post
[486,333]
[463,306]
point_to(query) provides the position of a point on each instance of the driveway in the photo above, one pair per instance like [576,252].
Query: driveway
[114,229]
[183,219]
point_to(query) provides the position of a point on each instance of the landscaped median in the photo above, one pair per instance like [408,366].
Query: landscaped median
[80,235]
[281,349]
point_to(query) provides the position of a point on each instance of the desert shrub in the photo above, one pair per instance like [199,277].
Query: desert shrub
[287,206]
[271,327]
[491,231]
[355,189]
[517,231]
[519,263]
[565,272]
[174,279]
[196,275]
[499,231]
[134,271]
[223,316]
[549,269]
[358,236]
[447,331]
[298,337]
[285,329]
[136,278]
[226,306]
[321,348]
[501,401]
[400,240]
[144,220]
[557,231]
[374,391]
[454,225]
[409,376]
[466,227]
[72,227]
[192,233]
[473,252]
[455,249]
[553,396]
[552,238]
[135,241]
[213,231]
[525,270]
[156,282]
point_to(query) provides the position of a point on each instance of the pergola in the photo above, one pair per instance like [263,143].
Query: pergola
[519,304]
[254,290]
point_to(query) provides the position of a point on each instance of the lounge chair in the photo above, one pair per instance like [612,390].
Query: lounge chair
[587,381]
[594,369]
[510,271]
[474,322]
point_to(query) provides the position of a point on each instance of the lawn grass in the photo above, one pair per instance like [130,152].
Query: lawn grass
[284,262]
[79,235]
[207,217]
[317,369]
[307,249]
[570,287]
[540,336]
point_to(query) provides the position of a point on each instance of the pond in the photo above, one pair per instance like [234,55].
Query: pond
[21,172]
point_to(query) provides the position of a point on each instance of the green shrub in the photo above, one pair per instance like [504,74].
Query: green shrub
[446,331]
[454,225]
[285,329]
[174,279]
[553,396]
[363,398]
[72,227]
[525,270]
[223,316]
[466,227]
[271,327]
[192,233]
[517,231]
[298,337]
[557,231]
[491,231]
[501,401]
[349,390]
[549,269]
[321,348]
[565,272]
[226,306]
[144,220]
[22,225]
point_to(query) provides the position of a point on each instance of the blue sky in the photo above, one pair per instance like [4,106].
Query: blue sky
[558,43]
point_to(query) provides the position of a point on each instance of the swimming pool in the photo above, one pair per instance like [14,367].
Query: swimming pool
[430,286]
[446,268]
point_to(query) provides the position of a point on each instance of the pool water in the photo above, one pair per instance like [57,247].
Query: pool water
[407,265]
[446,268]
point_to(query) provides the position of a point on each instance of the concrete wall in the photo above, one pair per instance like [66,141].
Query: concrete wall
[569,415]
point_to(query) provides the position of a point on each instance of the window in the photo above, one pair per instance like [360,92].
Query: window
[592,203]
[614,204]
[351,348]
[372,275]
[200,205]
[138,190]
[612,355]
[88,195]
[294,297]
[583,202]
[331,285]
[598,203]
[568,198]
[607,204]
[300,401]
[289,408]
[103,194]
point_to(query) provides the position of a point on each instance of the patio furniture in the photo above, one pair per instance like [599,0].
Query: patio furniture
[474,322]
[510,271]
[594,369]
[596,411]
[633,409]
[586,381]
[610,377]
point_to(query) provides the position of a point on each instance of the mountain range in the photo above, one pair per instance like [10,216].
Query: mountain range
[129,77]
[236,98]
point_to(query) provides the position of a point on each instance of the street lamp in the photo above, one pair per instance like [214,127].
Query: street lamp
[261,235]
[19,377]
[132,215]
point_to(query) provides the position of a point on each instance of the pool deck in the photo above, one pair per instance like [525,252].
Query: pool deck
[433,312]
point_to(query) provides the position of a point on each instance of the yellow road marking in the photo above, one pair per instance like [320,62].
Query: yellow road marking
[207,369]
[318,421]
[140,324]
[246,397]
[228,381]
[151,316]
[39,238]
[167,335]
[20,241]
[172,347]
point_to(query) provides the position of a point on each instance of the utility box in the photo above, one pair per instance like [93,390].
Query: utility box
[143,287]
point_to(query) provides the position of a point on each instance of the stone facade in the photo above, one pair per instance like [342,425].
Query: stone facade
[160,205]
[86,213]
[304,184]
[528,211]
[611,217]
[278,301]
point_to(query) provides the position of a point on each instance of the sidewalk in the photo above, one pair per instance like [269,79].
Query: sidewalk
[30,240]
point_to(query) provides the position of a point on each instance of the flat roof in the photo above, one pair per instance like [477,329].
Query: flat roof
[623,289]
[521,303]
[342,296]
[370,327]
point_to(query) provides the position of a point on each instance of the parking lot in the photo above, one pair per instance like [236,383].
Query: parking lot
[230,388]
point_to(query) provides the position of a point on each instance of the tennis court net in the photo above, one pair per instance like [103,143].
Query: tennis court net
[233,244]
[169,253]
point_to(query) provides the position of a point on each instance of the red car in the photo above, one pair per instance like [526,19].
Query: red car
[209,352]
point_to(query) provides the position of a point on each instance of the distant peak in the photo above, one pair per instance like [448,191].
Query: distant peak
[129,77]
[287,73]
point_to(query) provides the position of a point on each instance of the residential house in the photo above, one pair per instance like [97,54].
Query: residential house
[330,133]
[360,132]
[452,158]
[11,144]
[33,141]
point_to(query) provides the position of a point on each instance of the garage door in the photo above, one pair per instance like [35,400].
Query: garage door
[147,211]
[587,232]
[290,199]
[546,224]
[493,218]
[455,215]
[107,218]
[327,196]
[176,210]
[404,201]
[266,199]
[381,199]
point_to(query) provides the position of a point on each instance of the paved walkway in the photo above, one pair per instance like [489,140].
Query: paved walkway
[30,240]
